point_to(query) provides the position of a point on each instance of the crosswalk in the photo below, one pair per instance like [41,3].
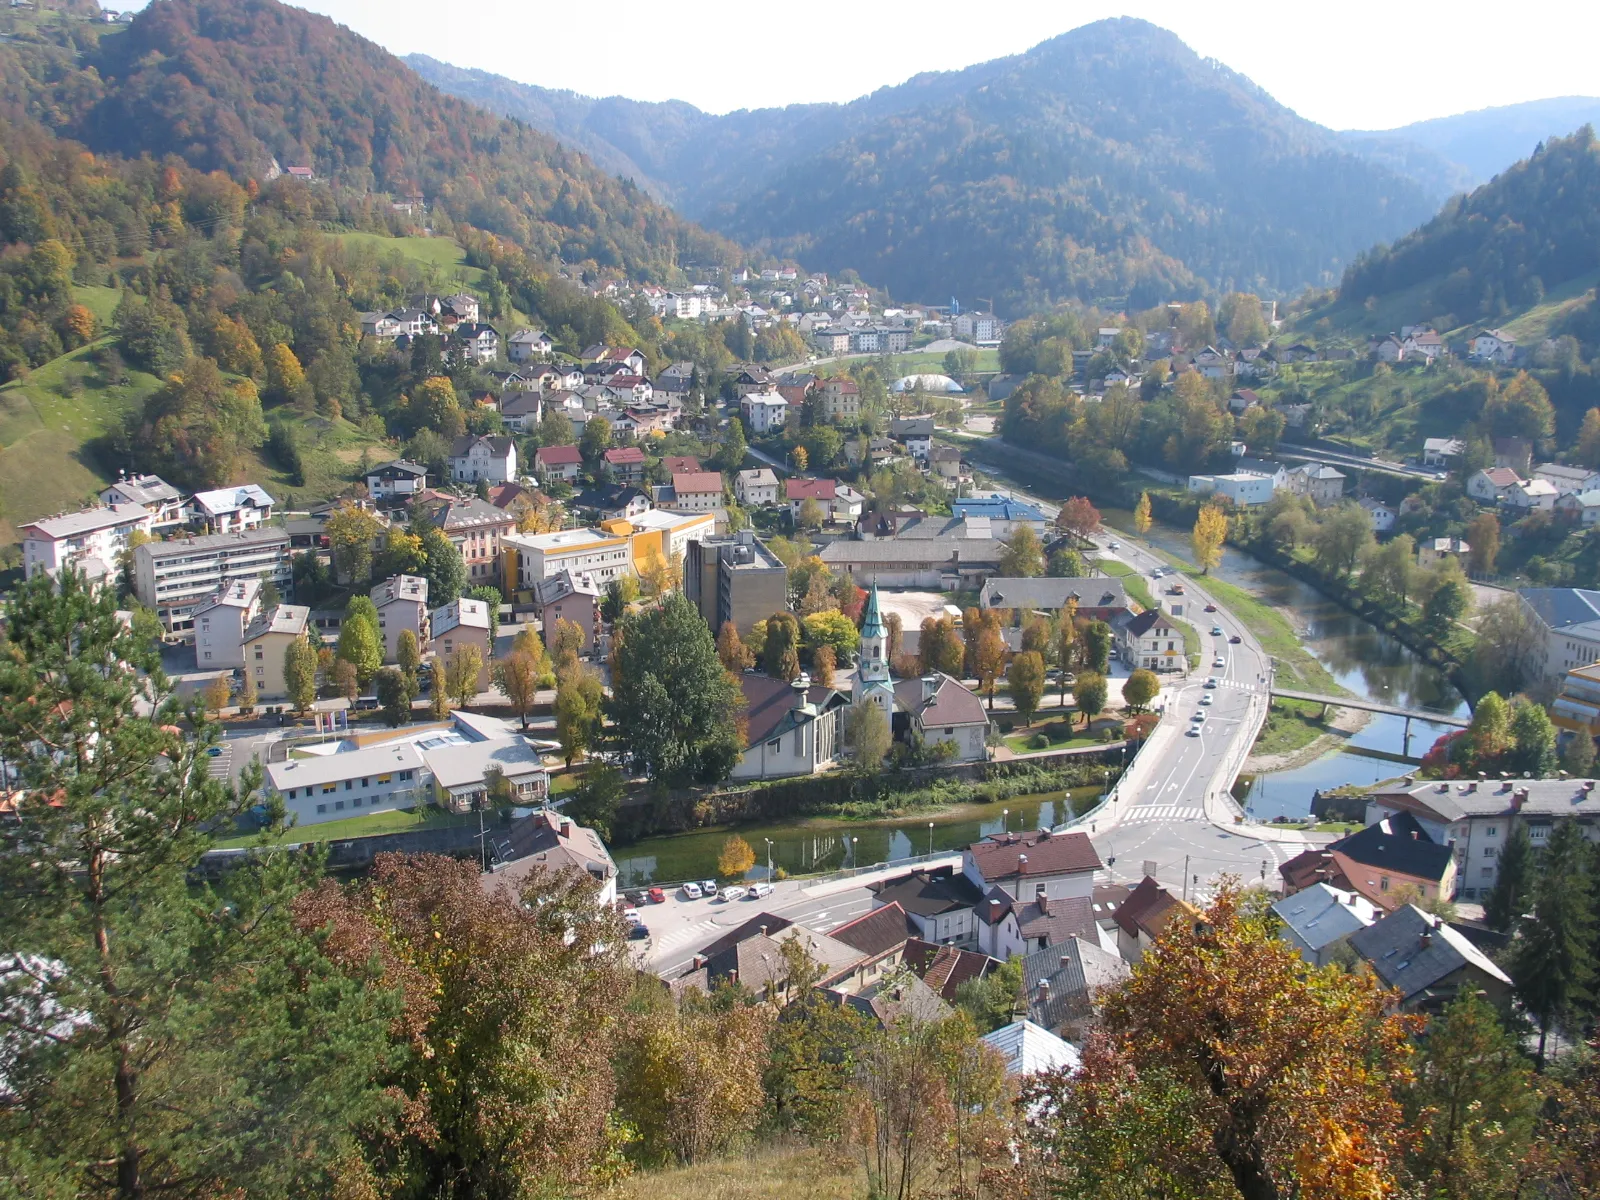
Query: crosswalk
[1147,813]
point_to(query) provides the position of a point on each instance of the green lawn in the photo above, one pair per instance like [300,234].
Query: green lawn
[101,301]
[331,452]
[1134,583]
[395,821]
[440,254]
[1290,725]
[1065,733]
[926,363]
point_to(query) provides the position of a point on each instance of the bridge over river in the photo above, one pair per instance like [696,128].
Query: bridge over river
[1375,706]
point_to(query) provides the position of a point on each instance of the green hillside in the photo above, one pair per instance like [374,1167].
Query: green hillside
[438,254]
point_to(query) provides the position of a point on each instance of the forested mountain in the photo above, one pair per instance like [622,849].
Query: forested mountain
[1479,145]
[1109,162]
[1534,228]
[231,85]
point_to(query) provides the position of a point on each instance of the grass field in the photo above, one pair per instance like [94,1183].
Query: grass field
[797,1173]
[1064,733]
[395,821]
[1133,583]
[1403,308]
[101,301]
[440,254]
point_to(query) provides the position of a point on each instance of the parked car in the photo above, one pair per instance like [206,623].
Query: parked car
[759,891]
[631,915]
[638,932]
[708,887]
[730,894]
[691,891]
[636,896]
[657,896]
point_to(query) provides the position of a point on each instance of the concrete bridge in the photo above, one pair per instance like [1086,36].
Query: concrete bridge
[1374,706]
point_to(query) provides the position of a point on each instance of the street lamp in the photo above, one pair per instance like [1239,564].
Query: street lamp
[930,839]
[768,841]
[1005,820]
[853,842]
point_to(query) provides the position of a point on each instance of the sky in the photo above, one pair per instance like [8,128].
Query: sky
[1357,64]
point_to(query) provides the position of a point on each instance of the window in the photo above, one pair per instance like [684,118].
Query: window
[1488,851]
[338,804]
[1492,831]
[1383,884]
[208,654]
[349,785]
[1486,873]
[259,655]
[261,670]
[364,783]
[329,787]
[403,775]
[356,803]
[1538,833]
[322,808]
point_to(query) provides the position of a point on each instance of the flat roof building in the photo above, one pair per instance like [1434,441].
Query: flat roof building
[176,577]
[735,579]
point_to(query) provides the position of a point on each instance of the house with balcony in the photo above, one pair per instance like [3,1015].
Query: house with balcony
[397,480]
[155,495]
[481,457]
[233,509]
[1153,642]
[91,541]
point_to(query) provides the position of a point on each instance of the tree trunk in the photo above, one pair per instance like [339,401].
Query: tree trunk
[125,1080]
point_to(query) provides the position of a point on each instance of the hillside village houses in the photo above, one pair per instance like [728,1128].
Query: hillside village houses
[756,487]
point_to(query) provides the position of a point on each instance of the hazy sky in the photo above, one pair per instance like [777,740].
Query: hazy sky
[1353,65]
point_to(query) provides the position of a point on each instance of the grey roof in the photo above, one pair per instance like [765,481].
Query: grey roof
[952,703]
[147,489]
[928,893]
[399,468]
[899,996]
[280,618]
[236,593]
[1538,799]
[1412,950]
[461,764]
[463,445]
[1103,592]
[1320,915]
[319,769]
[915,552]
[1076,969]
[232,499]
[1562,608]
[904,427]
[213,541]
[472,614]
[1055,920]
[563,584]
[88,520]
[547,841]
[400,587]
[1030,1049]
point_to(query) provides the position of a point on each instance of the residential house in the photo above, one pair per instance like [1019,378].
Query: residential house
[756,487]
[696,491]
[460,623]
[841,399]
[1379,513]
[1431,550]
[1513,452]
[831,339]
[1005,514]
[380,325]
[1029,1049]
[1393,857]
[871,449]
[548,841]
[839,501]
[1569,620]
[1144,916]
[612,501]
[1008,927]
[91,541]
[176,577]
[915,433]
[1062,984]
[1239,487]
[881,935]
[230,510]
[476,528]
[558,462]
[1317,920]
[1424,344]
[402,604]
[940,709]
[1429,963]
[1441,452]
[464,771]
[616,356]
[1390,350]
[1213,363]
[626,464]
[1027,865]
[1475,817]
[462,306]
[1099,598]
[266,639]
[481,342]
[982,329]
[749,380]
[764,411]
[735,579]
[397,480]
[220,624]
[477,457]
[414,322]
[1568,480]
[568,597]
[753,956]
[1153,642]
[942,968]
[529,345]
[1581,508]
[888,1001]
[945,462]
[940,904]
[521,410]
[330,787]
[155,495]
[1494,346]
[1491,485]
[790,729]
[1529,495]
[1322,483]
[614,549]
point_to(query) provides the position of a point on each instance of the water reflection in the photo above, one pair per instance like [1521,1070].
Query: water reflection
[830,846]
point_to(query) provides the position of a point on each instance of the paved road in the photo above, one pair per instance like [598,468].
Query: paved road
[1338,458]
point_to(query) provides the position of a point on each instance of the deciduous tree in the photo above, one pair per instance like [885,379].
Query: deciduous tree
[1097,647]
[462,672]
[1025,678]
[300,674]
[940,647]
[1210,531]
[578,700]
[1483,536]
[1139,688]
[1078,517]
[731,650]
[518,675]
[735,858]
[1141,514]
[867,733]
[822,666]
[1023,556]
[394,696]
[1089,694]
[217,694]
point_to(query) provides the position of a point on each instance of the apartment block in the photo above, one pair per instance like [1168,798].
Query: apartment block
[175,578]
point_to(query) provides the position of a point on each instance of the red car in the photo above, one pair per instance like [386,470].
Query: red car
[1211,608]
[657,896]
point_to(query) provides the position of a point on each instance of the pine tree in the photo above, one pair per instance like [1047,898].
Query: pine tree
[1551,960]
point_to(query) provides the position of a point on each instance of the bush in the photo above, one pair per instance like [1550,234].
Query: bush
[1039,741]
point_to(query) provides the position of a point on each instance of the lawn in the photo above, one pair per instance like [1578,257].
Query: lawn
[101,301]
[767,1173]
[1290,725]
[1134,583]
[332,454]
[394,821]
[1065,733]
[439,254]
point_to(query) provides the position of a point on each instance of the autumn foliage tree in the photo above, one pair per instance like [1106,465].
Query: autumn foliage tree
[1210,531]
[1229,1066]
[1078,517]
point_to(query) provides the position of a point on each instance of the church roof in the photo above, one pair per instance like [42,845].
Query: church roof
[871,621]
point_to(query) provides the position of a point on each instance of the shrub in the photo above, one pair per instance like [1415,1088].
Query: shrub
[1039,741]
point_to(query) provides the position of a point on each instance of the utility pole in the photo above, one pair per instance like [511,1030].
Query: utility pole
[1186,877]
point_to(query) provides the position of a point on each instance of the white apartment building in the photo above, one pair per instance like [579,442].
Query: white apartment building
[91,540]
[1241,488]
[154,494]
[756,487]
[617,548]
[330,787]
[402,603]
[176,577]
[220,624]
[227,510]
[764,411]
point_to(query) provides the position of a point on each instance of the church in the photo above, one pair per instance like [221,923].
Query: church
[934,706]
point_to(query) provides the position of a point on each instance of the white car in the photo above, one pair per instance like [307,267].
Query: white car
[730,894]
[691,891]
[1198,717]
[1219,661]
[708,887]
[1206,699]
[1211,683]
[1192,731]
[760,891]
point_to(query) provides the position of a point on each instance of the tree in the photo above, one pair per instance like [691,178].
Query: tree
[247,693]
[730,455]
[1577,757]
[1387,572]
[300,674]
[441,566]
[596,440]
[1510,645]
[811,515]
[673,704]
[1097,647]
[1508,900]
[1089,694]
[462,672]
[439,702]
[435,406]
[660,575]
[492,599]
[780,657]
[1342,540]
[867,733]
[731,651]
[408,654]
[286,381]
[1025,678]
[360,643]
[802,459]
[394,696]
[1139,689]
[1210,531]
[578,706]
[1065,564]
[1023,556]
[1078,517]
[736,858]
[940,647]
[595,800]
[1474,1103]
[507,1006]
[1483,535]
[1533,738]
[620,594]
[1231,1065]
[1067,641]
[1551,960]
[566,643]
[1447,604]
[217,694]
[1141,514]
[199,427]
[811,1063]
[153,1017]
[345,681]
[1589,439]
[518,675]
[833,629]
[990,661]
[822,666]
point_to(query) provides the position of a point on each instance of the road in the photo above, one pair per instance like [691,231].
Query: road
[1336,458]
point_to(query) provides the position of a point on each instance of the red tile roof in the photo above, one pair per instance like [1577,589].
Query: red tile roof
[1046,853]
[878,932]
[684,463]
[624,456]
[812,489]
[555,456]
[688,483]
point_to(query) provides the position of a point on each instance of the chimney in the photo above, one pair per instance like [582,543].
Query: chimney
[699,961]
[1022,864]
[994,910]
[566,827]
[763,931]
[1413,835]
[1044,990]
[1518,799]
[1352,899]
[1066,960]
[1588,786]
[1426,939]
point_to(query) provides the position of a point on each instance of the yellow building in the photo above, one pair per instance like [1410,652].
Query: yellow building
[609,551]
[266,641]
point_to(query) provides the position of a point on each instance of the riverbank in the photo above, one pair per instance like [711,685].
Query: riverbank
[1279,752]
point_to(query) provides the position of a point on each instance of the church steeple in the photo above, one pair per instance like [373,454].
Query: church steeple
[871,621]
[874,665]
